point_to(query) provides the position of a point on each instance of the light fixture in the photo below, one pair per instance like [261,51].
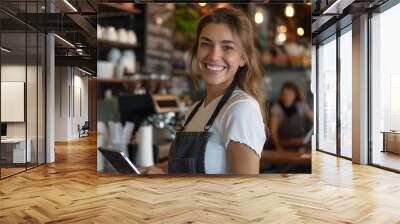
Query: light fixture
[289,10]
[84,71]
[280,38]
[65,41]
[222,5]
[79,51]
[282,29]
[258,17]
[5,50]
[70,5]
[300,31]
[202,4]
[159,20]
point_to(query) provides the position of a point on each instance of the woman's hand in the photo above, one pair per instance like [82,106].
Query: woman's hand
[151,170]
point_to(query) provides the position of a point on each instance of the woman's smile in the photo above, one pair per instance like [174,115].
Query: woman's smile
[214,68]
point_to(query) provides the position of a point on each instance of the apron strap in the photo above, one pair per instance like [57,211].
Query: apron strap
[191,115]
[222,102]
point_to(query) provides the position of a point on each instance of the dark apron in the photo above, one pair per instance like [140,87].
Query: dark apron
[188,149]
[293,126]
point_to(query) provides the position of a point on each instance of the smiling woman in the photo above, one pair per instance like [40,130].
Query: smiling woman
[225,132]
[219,56]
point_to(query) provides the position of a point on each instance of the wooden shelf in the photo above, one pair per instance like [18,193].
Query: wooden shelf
[111,44]
[126,7]
[180,72]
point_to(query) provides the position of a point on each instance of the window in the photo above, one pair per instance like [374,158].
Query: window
[22,77]
[346,94]
[385,88]
[327,96]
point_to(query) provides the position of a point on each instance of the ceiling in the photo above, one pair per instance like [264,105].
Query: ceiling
[331,15]
[76,24]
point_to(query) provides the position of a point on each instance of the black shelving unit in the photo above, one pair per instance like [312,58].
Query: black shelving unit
[129,18]
[153,51]
[110,14]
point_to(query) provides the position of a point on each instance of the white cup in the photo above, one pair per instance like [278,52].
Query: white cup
[114,55]
[122,35]
[132,38]
[111,34]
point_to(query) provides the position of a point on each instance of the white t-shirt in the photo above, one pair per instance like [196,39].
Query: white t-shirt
[240,120]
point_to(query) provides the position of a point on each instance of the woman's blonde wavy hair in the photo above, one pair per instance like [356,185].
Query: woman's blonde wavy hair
[251,75]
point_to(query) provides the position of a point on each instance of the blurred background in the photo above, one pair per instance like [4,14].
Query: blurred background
[144,87]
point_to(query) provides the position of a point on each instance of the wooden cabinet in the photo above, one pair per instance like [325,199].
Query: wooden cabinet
[391,142]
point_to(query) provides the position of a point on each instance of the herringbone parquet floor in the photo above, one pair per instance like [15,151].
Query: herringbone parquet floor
[70,191]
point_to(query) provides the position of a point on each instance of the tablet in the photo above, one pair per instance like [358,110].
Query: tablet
[119,161]
[307,139]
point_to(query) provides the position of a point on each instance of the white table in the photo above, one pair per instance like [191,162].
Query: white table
[18,149]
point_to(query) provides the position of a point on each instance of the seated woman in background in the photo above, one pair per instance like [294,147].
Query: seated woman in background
[290,116]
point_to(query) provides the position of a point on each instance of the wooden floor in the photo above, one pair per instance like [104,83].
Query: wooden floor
[10,171]
[5,172]
[70,191]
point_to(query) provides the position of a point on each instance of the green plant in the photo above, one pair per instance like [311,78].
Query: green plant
[185,21]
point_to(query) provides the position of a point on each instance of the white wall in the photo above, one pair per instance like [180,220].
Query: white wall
[80,100]
[71,93]
[61,103]
[14,73]
[17,73]
[33,126]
